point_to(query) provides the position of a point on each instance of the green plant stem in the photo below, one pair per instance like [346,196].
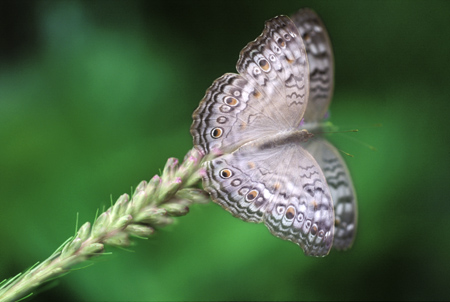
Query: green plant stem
[152,205]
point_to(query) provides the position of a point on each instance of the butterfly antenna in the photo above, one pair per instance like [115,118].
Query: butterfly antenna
[331,126]
[346,153]
[343,131]
[332,132]
[361,142]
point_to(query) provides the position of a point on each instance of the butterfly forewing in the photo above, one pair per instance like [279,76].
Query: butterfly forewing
[269,95]
[321,63]
[231,113]
[276,63]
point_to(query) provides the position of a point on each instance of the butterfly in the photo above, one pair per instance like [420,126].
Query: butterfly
[269,170]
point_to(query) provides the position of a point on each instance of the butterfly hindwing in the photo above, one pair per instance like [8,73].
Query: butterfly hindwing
[341,188]
[276,181]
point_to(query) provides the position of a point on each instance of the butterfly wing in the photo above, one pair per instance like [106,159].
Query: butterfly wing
[270,93]
[279,184]
[321,63]
[341,188]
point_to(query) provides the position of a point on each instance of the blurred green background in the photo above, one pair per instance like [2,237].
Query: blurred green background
[96,95]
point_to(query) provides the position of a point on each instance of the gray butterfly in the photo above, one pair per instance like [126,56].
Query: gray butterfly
[252,118]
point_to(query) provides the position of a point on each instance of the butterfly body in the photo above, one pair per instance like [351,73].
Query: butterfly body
[281,139]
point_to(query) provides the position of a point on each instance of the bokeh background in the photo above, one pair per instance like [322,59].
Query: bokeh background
[96,95]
